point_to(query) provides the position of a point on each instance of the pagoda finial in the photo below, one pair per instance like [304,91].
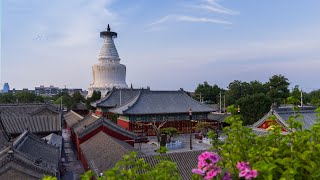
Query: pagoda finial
[108,29]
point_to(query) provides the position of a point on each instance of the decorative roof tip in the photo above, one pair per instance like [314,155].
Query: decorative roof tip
[108,29]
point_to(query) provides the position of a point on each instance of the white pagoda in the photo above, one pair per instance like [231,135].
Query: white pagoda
[108,72]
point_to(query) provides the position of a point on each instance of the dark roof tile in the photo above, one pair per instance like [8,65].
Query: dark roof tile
[162,102]
[102,151]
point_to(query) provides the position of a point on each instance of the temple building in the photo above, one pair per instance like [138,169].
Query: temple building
[108,72]
[40,119]
[29,157]
[137,108]
[282,114]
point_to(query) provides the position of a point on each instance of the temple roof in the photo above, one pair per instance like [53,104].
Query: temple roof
[4,138]
[220,117]
[36,124]
[282,114]
[32,152]
[261,132]
[92,125]
[34,109]
[83,123]
[99,154]
[117,97]
[185,161]
[161,102]
[72,118]
[54,139]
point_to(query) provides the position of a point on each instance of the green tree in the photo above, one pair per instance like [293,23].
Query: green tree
[275,156]
[278,88]
[253,107]
[315,97]
[25,97]
[132,167]
[170,132]
[77,97]
[96,95]
[7,98]
[204,128]
[208,93]
[66,99]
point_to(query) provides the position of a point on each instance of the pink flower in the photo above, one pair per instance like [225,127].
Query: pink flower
[227,176]
[202,164]
[243,165]
[212,173]
[198,171]
[244,172]
[208,157]
[252,174]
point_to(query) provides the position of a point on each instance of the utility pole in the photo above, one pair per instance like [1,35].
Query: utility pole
[61,103]
[220,103]
[190,118]
[224,100]
[301,98]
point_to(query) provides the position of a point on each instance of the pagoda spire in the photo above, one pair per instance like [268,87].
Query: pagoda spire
[108,51]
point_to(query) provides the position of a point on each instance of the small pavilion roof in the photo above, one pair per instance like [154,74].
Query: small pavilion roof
[282,114]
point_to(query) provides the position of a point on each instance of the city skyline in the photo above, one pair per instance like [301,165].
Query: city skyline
[167,45]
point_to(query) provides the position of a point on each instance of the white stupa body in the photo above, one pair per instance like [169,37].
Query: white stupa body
[108,72]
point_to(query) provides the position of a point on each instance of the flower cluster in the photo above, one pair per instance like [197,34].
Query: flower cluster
[246,171]
[207,166]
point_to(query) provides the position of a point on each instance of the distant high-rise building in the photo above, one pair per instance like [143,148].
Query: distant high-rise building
[46,91]
[108,73]
[6,88]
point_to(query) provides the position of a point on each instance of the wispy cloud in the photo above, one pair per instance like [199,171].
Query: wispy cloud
[183,18]
[214,6]
[196,17]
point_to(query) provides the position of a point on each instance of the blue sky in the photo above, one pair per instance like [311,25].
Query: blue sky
[164,44]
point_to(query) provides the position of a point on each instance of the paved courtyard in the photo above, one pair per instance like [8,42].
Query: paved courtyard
[151,147]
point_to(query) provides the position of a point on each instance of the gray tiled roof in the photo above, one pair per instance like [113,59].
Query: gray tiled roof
[36,124]
[261,132]
[102,151]
[185,161]
[283,113]
[161,102]
[25,109]
[107,123]
[3,136]
[113,98]
[308,115]
[54,140]
[31,145]
[72,118]
[220,117]
[83,123]
[32,152]
[80,106]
